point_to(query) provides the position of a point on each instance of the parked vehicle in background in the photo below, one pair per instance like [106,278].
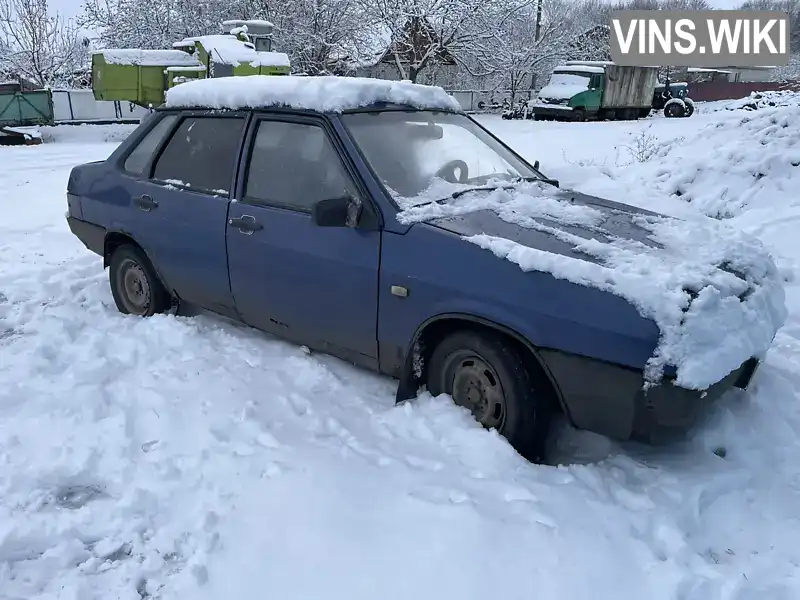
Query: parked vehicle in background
[142,77]
[376,221]
[582,90]
[23,108]
[673,98]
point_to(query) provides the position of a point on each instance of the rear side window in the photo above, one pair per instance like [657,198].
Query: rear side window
[137,160]
[202,154]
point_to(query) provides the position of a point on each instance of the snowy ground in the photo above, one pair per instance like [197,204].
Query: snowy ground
[190,458]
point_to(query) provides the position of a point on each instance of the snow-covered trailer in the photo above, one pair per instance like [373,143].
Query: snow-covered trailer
[138,76]
[143,76]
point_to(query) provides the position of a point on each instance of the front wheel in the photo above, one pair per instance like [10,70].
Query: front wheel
[135,286]
[486,374]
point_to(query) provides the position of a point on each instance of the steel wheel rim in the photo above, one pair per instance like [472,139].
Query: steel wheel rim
[476,386]
[135,287]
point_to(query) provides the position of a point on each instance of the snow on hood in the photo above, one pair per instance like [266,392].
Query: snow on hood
[322,93]
[714,291]
[561,92]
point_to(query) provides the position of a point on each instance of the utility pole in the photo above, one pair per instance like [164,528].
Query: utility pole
[537,35]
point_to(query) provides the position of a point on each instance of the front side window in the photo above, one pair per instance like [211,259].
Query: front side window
[202,154]
[420,154]
[137,160]
[295,165]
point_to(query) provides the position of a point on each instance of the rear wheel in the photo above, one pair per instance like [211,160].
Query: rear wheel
[487,375]
[135,286]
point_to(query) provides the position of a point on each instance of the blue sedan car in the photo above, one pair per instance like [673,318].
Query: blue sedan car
[377,222]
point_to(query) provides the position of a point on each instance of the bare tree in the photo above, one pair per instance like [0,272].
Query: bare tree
[427,33]
[319,35]
[792,7]
[39,46]
[151,25]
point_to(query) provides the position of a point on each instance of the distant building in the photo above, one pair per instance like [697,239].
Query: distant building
[728,74]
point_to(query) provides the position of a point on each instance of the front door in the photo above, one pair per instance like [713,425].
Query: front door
[179,206]
[313,285]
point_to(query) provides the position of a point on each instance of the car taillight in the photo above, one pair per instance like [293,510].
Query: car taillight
[74,206]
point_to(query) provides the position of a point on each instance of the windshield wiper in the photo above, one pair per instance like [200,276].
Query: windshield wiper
[490,188]
[541,178]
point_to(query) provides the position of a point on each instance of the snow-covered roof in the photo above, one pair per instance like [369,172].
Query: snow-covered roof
[250,22]
[146,58]
[579,69]
[229,50]
[319,93]
[183,69]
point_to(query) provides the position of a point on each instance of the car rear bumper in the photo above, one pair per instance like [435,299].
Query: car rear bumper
[93,236]
[609,399]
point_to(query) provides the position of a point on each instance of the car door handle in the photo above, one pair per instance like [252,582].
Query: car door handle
[246,224]
[145,202]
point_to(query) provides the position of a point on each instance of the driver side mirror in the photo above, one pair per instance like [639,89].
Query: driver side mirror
[344,211]
[536,165]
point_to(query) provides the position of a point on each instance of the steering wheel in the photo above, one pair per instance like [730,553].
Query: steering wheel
[448,171]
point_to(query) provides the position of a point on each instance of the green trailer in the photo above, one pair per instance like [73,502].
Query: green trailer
[23,108]
[138,76]
[143,76]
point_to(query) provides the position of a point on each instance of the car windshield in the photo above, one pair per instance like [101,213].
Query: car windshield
[570,79]
[424,156]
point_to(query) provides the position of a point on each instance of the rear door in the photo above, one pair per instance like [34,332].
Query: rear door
[314,285]
[179,204]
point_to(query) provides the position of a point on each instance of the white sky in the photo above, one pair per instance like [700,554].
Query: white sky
[71,8]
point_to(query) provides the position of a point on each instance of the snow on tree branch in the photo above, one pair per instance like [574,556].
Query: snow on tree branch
[38,45]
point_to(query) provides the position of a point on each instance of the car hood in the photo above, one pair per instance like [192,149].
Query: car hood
[713,290]
[618,222]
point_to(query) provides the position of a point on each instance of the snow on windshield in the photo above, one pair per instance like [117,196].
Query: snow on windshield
[565,85]
[569,79]
[732,316]
[431,154]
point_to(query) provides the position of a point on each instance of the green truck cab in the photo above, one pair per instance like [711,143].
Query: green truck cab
[582,90]
[143,76]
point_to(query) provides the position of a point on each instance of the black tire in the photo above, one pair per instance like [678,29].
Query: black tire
[674,111]
[478,370]
[136,288]
[579,115]
[689,109]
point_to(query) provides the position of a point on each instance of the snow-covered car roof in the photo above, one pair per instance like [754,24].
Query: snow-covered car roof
[319,93]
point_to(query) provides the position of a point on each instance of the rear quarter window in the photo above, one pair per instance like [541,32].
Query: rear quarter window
[202,154]
[137,160]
